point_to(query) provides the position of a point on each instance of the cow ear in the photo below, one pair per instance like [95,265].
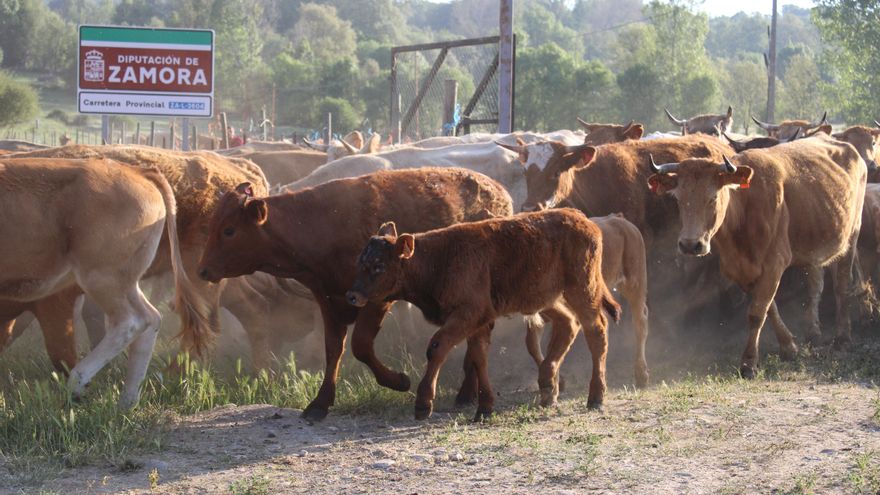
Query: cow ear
[406,246]
[635,132]
[826,128]
[387,229]
[742,178]
[875,132]
[585,157]
[245,188]
[257,211]
[662,183]
[520,142]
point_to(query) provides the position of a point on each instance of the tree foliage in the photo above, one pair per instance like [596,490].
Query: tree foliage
[18,102]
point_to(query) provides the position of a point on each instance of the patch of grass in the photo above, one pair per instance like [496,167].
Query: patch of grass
[804,484]
[876,403]
[254,485]
[864,476]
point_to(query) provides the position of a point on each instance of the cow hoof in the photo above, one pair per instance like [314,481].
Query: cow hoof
[403,383]
[788,353]
[465,398]
[813,338]
[595,406]
[642,380]
[482,416]
[423,412]
[314,413]
[747,372]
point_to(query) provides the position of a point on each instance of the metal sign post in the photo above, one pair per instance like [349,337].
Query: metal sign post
[505,68]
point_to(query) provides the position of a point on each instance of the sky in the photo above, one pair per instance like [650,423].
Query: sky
[730,7]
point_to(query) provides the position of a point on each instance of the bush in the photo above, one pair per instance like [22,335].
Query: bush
[58,115]
[18,101]
[345,118]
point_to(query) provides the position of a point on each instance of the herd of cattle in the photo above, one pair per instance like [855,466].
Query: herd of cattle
[600,209]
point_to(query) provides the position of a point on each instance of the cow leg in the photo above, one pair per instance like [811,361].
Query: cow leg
[486,401]
[815,286]
[595,327]
[129,315]
[366,327]
[563,335]
[140,352]
[55,314]
[444,340]
[843,291]
[334,345]
[470,385]
[93,318]
[762,297]
[534,332]
[787,348]
[637,299]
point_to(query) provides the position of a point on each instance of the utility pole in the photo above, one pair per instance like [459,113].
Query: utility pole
[505,67]
[771,70]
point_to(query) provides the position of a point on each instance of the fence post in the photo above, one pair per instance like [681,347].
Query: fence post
[152,132]
[450,97]
[195,138]
[122,133]
[171,134]
[328,133]
[264,124]
[184,134]
[137,133]
[225,133]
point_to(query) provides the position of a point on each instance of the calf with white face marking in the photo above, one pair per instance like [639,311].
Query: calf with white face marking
[465,276]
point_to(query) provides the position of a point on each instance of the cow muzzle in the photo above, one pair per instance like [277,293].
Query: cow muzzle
[206,275]
[693,247]
[356,299]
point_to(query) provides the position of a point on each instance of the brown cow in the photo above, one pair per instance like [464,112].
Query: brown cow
[92,226]
[869,236]
[711,124]
[757,143]
[308,235]
[466,276]
[623,268]
[794,204]
[864,140]
[788,128]
[610,133]
[197,179]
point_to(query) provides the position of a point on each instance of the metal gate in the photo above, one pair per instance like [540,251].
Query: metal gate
[444,88]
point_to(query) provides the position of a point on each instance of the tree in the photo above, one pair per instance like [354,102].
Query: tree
[239,69]
[852,27]
[744,86]
[329,38]
[18,102]
[640,95]
[802,95]
[542,26]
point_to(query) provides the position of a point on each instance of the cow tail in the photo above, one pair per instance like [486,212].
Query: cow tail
[610,305]
[189,303]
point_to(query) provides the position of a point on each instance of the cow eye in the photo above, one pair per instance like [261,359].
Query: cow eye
[378,269]
[557,174]
[229,231]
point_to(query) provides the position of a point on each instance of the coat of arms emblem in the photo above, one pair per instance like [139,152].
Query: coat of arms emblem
[93,67]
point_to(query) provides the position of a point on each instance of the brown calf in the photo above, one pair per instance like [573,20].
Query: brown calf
[794,204]
[466,276]
[623,268]
[315,235]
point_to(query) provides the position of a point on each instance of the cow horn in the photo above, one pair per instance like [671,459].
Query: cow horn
[315,146]
[351,149]
[823,120]
[575,148]
[797,134]
[730,138]
[662,169]
[876,123]
[627,127]
[766,126]
[727,166]
[586,125]
[515,149]
[680,123]
[729,111]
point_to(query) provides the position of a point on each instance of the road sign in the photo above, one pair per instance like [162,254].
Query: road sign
[144,71]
